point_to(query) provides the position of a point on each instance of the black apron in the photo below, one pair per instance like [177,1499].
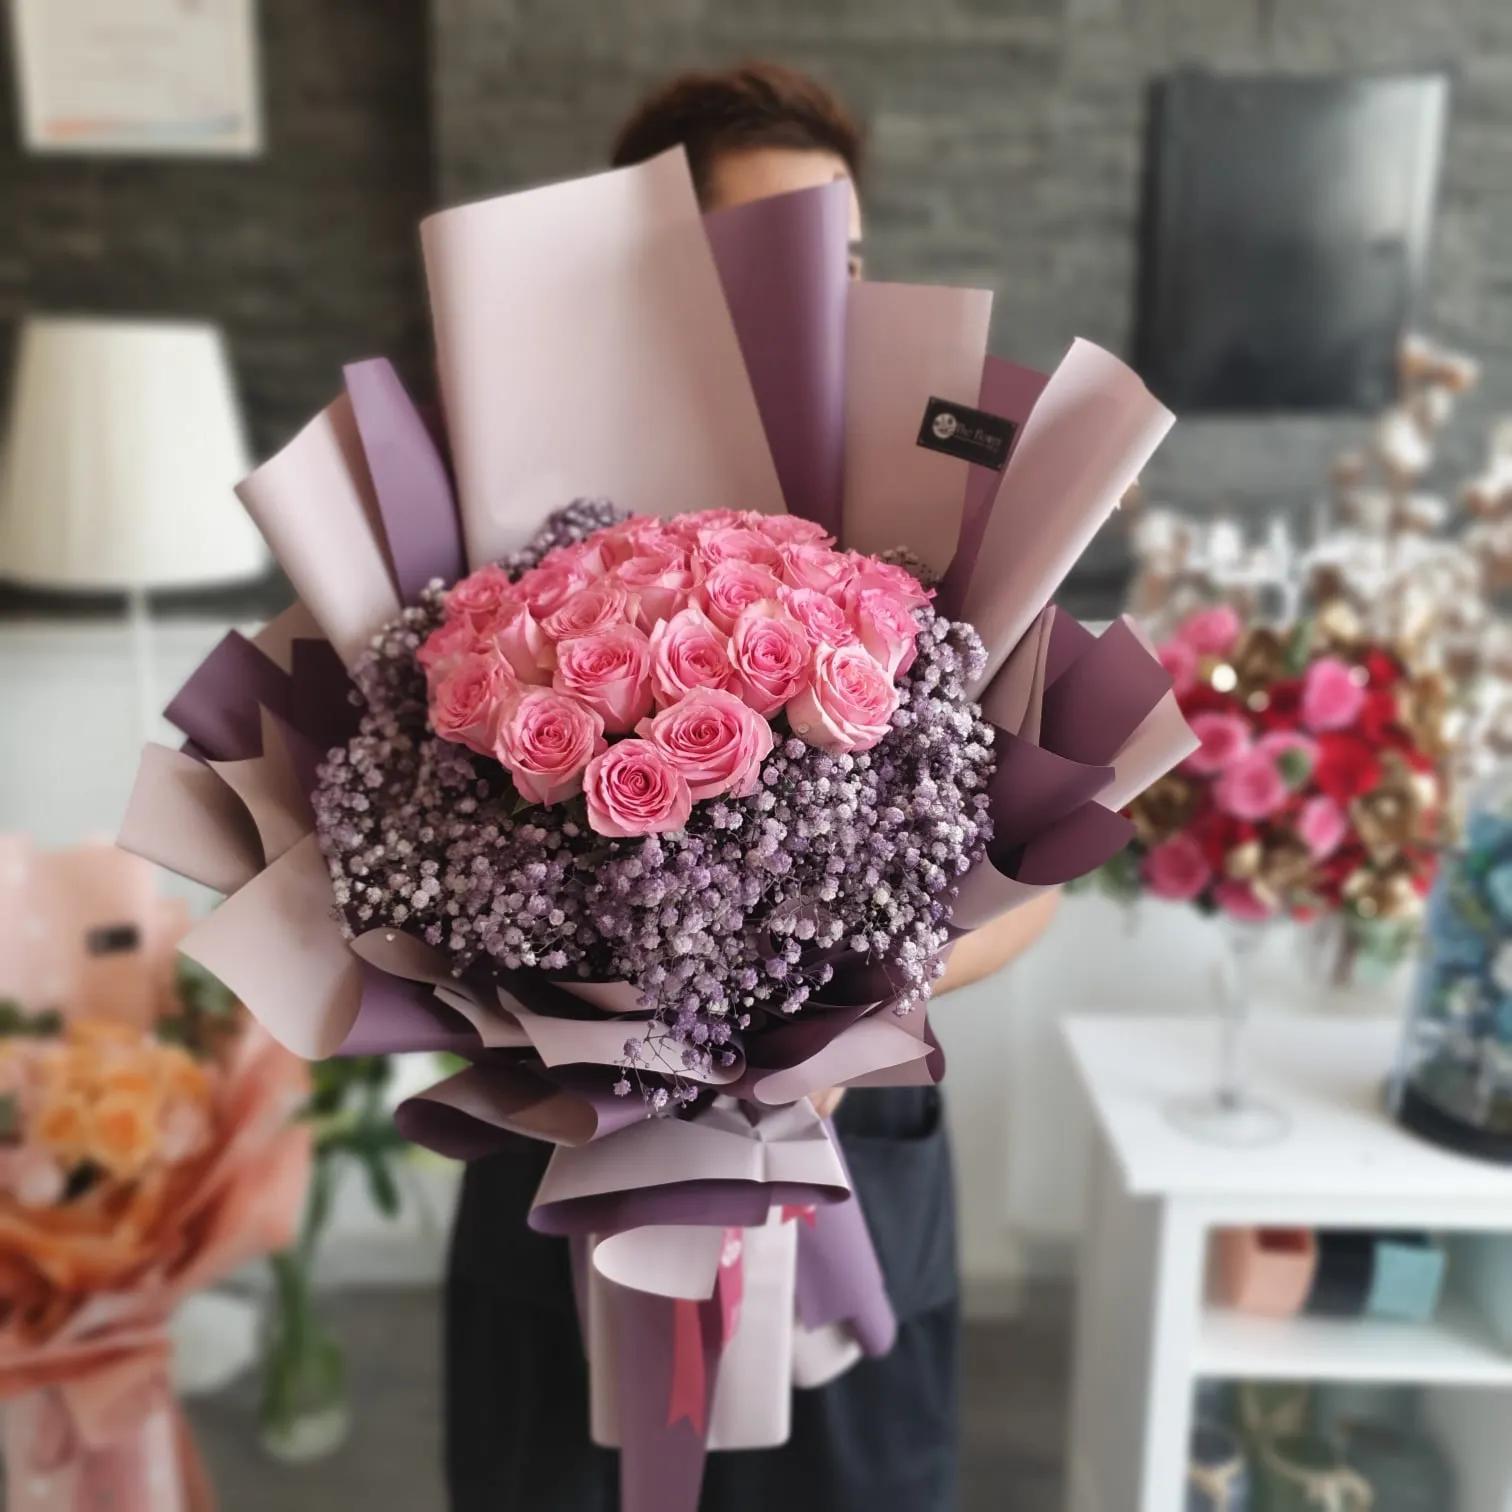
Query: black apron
[882,1435]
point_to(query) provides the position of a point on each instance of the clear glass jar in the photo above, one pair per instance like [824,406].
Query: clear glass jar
[1454,1075]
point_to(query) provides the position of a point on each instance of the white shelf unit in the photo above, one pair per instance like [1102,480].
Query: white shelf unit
[1145,1333]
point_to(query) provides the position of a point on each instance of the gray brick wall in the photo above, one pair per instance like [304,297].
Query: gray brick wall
[1006,151]
[307,254]
[1006,142]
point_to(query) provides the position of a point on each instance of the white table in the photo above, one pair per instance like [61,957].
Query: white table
[1145,1335]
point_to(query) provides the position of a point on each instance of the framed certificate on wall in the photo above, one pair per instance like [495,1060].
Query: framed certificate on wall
[143,78]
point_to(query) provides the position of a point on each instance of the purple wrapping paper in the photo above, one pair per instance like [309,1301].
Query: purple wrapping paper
[783,265]
[422,532]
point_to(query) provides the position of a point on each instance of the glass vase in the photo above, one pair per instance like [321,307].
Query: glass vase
[1229,1113]
[305,1412]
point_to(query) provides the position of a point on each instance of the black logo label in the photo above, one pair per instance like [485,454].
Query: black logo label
[970,434]
[112,939]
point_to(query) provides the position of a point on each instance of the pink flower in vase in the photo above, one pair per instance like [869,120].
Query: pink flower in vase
[1177,869]
[1322,826]
[1240,901]
[1333,694]
[1251,787]
[1180,660]
[1211,632]
[1224,739]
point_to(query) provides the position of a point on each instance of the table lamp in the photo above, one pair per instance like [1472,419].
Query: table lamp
[124,441]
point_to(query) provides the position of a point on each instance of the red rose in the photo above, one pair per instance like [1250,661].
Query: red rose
[1283,711]
[1347,767]
[1383,669]
[1378,717]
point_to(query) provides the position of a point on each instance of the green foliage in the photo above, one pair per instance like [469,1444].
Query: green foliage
[16,1021]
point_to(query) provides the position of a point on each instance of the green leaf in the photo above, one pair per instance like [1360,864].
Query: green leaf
[382,1187]
[1295,767]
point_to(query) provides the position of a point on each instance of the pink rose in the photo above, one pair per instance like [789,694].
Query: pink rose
[445,647]
[584,557]
[870,573]
[848,704]
[545,741]
[730,588]
[790,530]
[769,650]
[825,621]
[807,564]
[687,652]
[738,543]
[887,628]
[1322,826]
[517,636]
[717,742]
[598,606]
[618,543]
[1180,660]
[1177,869]
[480,595]
[632,789]
[1211,632]
[1241,901]
[659,580]
[545,589]
[689,527]
[610,670]
[1225,738]
[1332,697]
[1294,753]
[1251,787]
[466,704]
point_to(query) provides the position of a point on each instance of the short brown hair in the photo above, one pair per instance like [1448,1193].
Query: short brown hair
[752,105]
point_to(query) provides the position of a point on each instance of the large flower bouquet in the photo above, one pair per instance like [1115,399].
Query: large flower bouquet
[146,1150]
[663,812]
[1315,789]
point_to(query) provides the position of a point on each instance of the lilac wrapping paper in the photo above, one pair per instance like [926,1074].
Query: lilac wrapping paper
[778,377]
[783,265]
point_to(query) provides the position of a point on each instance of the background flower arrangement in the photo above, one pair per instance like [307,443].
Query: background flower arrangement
[1315,789]
[147,1149]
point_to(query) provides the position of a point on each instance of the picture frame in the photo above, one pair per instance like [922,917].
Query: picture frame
[138,78]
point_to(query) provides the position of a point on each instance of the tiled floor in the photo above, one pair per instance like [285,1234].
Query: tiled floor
[1015,1393]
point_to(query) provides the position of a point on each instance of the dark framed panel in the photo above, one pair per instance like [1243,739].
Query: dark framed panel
[1284,238]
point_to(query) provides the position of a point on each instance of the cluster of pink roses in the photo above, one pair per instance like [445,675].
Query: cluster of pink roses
[1277,807]
[689,635]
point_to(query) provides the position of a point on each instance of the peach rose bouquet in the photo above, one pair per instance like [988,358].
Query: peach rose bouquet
[147,1149]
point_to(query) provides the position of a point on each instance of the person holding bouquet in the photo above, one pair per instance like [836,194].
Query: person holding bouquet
[883,1435]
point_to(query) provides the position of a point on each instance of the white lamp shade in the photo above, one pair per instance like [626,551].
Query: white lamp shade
[125,440]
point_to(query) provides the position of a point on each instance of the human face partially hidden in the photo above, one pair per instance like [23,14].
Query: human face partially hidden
[752,173]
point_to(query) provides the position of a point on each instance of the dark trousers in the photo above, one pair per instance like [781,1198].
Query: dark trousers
[882,1436]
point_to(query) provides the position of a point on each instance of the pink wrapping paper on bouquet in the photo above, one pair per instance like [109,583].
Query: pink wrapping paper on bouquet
[438,790]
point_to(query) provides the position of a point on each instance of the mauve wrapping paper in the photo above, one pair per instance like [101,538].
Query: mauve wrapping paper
[573,324]
[783,263]
[1091,431]
[314,504]
[904,344]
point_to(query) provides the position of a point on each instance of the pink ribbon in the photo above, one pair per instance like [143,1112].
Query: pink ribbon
[701,1330]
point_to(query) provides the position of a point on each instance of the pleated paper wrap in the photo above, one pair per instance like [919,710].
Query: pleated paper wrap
[602,338]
